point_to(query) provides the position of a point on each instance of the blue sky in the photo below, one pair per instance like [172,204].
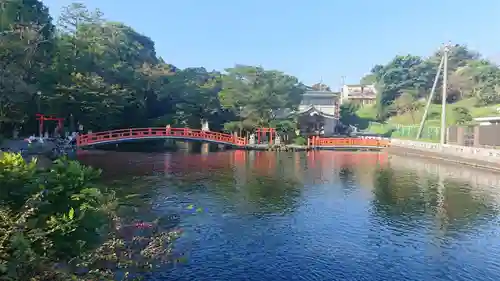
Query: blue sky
[313,39]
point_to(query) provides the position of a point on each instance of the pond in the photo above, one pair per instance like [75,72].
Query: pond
[319,215]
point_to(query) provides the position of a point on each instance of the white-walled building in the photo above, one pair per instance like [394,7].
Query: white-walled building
[360,94]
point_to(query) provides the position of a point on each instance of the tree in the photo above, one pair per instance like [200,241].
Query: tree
[407,103]
[469,76]
[461,115]
[348,113]
[403,72]
[368,79]
[320,87]
[255,94]
[25,52]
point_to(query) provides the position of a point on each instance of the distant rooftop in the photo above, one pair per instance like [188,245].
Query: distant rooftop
[360,85]
[321,93]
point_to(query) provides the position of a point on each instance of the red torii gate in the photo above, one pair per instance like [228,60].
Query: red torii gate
[42,118]
[263,131]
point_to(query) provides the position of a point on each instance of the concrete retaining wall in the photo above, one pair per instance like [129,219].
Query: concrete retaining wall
[475,154]
[448,171]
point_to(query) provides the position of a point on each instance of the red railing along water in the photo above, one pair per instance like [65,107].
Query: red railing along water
[151,133]
[347,142]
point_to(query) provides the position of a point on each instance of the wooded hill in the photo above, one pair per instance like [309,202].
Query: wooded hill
[105,75]
[404,84]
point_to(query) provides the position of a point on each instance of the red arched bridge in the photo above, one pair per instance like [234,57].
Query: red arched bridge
[122,135]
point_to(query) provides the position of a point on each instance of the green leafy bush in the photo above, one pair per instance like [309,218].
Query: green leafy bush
[300,141]
[60,224]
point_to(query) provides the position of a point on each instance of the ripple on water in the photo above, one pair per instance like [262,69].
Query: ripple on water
[325,216]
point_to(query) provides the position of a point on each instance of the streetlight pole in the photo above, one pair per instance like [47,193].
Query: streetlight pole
[38,101]
[71,123]
[39,95]
[445,94]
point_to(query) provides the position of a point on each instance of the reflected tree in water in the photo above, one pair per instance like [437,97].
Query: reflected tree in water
[347,179]
[466,207]
[272,194]
[404,196]
[398,196]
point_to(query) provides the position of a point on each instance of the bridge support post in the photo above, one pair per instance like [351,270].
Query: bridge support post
[205,148]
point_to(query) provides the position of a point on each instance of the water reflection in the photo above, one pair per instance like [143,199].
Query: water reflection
[318,215]
[449,193]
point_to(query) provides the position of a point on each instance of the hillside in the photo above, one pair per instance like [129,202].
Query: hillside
[406,125]
[404,84]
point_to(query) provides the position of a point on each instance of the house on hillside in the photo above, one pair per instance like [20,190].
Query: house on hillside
[359,94]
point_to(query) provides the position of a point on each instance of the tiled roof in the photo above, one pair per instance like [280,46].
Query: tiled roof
[312,108]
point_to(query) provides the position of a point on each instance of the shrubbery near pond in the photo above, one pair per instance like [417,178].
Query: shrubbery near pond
[61,224]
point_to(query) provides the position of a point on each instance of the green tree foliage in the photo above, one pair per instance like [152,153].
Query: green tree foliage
[26,38]
[461,115]
[349,116]
[348,113]
[407,103]
[255,94]
[106,75]
[406,80]
[320,87]
[60,224]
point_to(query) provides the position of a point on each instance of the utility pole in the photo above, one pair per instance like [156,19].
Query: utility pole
[429,100]
[443,66]
[445,86]
[342,83]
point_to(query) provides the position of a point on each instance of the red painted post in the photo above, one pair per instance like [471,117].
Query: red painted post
[271,136]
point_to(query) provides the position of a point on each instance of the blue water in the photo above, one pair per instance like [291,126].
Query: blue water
[320,216]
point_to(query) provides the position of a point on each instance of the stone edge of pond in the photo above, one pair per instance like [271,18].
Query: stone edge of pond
[444,158]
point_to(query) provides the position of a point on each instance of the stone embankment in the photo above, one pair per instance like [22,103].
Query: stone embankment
[24,147]
[50,148]
[474,156]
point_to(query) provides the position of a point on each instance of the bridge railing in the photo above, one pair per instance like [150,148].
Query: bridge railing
[144,133]
[347,142]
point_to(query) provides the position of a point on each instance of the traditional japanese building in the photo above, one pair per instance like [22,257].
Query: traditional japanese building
[318,113]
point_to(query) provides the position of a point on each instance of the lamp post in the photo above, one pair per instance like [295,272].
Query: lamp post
[38,105]
[71,123]
[39,96]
